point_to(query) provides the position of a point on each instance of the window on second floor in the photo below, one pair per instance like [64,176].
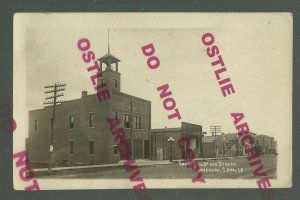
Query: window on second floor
[126,120]
[102,81]
[115,83]
[92,115]
[116,115]
[35,125]
[71,122]
[137,122]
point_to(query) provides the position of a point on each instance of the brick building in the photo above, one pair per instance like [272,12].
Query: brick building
[81,135]
[161,146]
[265,145]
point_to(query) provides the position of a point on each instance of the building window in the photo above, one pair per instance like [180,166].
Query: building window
[228,150]
[115,83]
[126,121]
[102,81]
[91,147]
[115,150]
[116,115]
[220,151]
[71,122]
[92,115]
[35,125]
[137,122]
[71,147]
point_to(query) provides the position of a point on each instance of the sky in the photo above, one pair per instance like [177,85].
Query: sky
[256,50]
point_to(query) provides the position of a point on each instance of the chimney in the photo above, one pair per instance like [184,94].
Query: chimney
[84,93]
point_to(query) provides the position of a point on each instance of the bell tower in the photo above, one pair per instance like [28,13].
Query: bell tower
[111,75]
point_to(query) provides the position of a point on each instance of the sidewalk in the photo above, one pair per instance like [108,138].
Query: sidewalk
[206,159]
[90,168]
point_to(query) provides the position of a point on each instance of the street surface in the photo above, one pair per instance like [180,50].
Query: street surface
[232,168]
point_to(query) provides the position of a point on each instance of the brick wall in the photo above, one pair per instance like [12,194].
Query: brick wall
[81,134]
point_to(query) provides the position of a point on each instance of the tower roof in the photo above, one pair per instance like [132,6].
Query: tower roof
[108,59]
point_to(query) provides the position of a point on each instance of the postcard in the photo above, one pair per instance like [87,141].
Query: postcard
[152,100]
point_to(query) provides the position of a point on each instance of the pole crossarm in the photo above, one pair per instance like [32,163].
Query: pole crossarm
[49,102]
[54,90]
[55,85]
[52,97]
[215,129]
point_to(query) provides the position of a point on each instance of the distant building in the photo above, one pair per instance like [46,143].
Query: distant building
[81,135]
[265,145]
[225,145]
[208,143]
[161,147]
[228,145]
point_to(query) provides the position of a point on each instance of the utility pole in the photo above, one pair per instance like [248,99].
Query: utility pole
[201,143]
[52,100]
[214,130]
[131,127]
[171,140]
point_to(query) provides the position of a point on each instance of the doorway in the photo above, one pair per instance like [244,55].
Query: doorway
[146,149]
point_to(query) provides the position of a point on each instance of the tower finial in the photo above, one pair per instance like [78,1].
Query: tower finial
[108,41]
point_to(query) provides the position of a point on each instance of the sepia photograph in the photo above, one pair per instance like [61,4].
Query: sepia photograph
[152,100]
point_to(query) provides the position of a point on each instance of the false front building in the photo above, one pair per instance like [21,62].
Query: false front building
[80,132]
[161,147]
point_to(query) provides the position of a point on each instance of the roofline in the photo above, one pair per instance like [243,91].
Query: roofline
[65,102]
[191,124]
[131,96]
[165,130]
[108,55]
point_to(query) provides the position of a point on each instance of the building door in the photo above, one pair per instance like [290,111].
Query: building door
[146,149]
[193,144]
[229,153]
[159,153]
[137,149]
